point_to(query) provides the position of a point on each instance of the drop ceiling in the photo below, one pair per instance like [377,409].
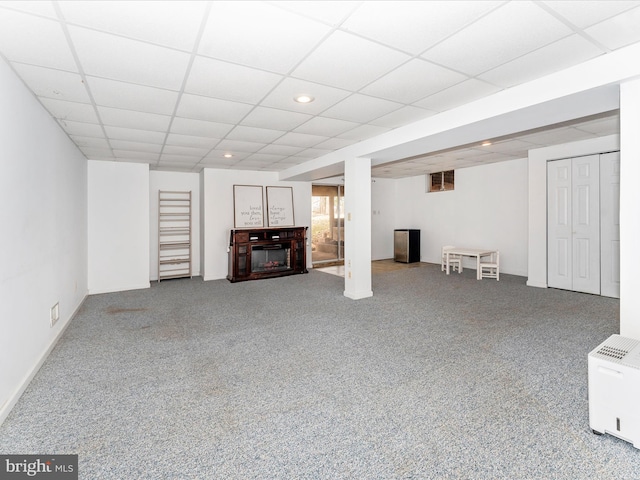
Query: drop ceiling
[185,85]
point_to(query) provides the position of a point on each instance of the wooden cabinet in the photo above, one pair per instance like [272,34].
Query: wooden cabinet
[267,253]
[174,234]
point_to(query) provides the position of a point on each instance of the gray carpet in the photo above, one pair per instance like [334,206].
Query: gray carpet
[434,377]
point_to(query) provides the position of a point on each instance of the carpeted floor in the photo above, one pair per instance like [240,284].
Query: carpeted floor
[433,377]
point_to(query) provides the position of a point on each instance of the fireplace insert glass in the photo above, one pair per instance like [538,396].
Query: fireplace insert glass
[270,258]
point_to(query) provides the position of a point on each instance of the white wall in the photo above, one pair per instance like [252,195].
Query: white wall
[487,209]
[383,197]
[175,181]
[43,193]
[118,226]
[217,212]
[537,206]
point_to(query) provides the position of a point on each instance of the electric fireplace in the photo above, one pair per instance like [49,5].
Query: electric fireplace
[266,253]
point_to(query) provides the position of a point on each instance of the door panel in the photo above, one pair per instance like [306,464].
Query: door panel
[559,224]
[586,224]
[610,223]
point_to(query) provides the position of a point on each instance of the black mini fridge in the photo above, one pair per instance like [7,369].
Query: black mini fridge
[406,245]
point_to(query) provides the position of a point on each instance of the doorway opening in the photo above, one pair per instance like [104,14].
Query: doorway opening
[327,225]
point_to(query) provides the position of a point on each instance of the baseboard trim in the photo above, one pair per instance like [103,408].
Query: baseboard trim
[8,405]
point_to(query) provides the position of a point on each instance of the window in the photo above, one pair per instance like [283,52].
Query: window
[440,181]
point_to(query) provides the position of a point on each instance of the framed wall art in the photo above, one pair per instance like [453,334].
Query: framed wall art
[248,206]
[280,207]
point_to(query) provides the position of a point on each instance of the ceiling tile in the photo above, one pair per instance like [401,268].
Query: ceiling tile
[134,135]
[211,109]
[97,153]
[329,127]
[178,158]
[312,153]
[136,155]
[553,137]
[77,112]
[81,129]
[299,140]
[602,126]
[564,53]
[330,12]
[215,78]
[282,150]
[238,31]
[263,117]
[459,94]
[191,141]
[173,24]
[118,117]
[348,61]
[34,40]
[188,151]
[361,108]
[51,83]
[336,143]
[239,146]
[408,83]
[373,19]
[402,116]
[101,55]
[254,134]
[110,93]
[43,9]
[499,37]
[584,14]
[217,157]
[135,146]
[282,97]
[93,142]
[363,132]
[264,158]
[618,31]
[200,128]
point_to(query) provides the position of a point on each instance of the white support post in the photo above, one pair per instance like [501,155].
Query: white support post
[357,228]
[629,209]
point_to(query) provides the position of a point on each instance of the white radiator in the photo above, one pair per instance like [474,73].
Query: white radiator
[614,389]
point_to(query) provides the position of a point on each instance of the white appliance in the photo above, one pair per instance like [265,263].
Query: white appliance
[614,389]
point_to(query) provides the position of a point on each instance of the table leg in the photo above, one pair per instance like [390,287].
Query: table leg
[478,276]
[447,255]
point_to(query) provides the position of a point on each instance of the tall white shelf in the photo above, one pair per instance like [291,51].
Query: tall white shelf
[174,234]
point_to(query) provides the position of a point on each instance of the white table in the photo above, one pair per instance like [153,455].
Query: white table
[469,252]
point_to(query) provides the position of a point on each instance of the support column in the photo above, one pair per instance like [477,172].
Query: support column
[629,208]
[357,228]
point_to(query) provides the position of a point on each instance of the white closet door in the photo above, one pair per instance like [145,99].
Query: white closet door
[585,205]
[559,224]
[610,224]
[573,224]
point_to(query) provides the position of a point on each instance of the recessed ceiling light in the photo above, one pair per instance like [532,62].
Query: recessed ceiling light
[304,98]
[486,144]
[227,155]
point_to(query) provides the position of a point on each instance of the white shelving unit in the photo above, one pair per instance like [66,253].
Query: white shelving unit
[174,234]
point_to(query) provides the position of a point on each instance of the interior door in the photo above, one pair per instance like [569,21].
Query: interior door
[559,219]
[585,208]
[573,224]
[610,224]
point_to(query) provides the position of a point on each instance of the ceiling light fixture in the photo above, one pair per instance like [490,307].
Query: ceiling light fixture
[227,155]
[486,144]
[304,98]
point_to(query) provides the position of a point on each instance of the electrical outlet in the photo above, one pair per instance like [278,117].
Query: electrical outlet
[55,314]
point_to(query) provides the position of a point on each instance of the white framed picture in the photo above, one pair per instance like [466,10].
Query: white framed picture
[248,206]
[280,207]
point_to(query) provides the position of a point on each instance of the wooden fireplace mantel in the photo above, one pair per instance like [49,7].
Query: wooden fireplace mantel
[267,253]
